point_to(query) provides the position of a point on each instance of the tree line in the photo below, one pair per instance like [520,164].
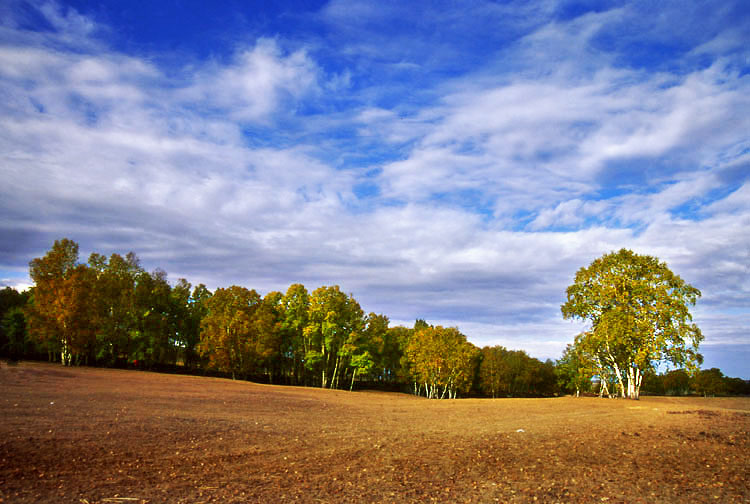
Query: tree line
[677,382]
[109,311]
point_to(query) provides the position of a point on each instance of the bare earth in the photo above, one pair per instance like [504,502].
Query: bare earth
[94,435]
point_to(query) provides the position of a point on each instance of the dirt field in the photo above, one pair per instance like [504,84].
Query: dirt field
[94,435]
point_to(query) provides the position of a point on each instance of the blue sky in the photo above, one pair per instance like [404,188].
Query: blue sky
[453,162]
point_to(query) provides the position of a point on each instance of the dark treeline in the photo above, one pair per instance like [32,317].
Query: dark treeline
[706,382]
[111,312]
[678,382]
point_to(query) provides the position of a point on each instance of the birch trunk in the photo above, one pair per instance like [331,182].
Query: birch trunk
[639,380]
[631,383]
[334,378]
[604,388]
[323,382]
[634,382]
[65,356]
[617,370]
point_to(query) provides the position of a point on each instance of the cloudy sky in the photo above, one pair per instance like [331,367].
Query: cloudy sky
[454,161]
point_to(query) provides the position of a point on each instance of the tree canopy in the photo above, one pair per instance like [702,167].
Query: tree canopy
[639,314]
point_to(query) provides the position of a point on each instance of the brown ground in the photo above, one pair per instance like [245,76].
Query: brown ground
[94,435]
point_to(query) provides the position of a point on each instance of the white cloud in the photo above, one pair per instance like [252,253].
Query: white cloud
[256,83]
[67,21]
[570,132]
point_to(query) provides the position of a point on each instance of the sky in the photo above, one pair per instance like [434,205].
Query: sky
[451,161]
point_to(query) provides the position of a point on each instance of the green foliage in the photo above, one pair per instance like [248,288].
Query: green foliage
[231,335]
[14,342]
[117,316]
[493,372]
[441,360]
[61,314]
[676,382]
[709,382]
[706,382]
[513,373]
[295,309]
[652,383]
[574,370]
[334,321]
[639,313]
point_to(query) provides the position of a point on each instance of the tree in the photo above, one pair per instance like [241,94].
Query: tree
[267,325]
[442,360]
[197,310]
[154,336]
[179,319]
[710,382]
[653,383]
[333,317]
[737,386]
[61,312]
[574,370]
[378,347]
[13,328]
[398,341]
[639,313]
[13,334]
[295,308]
[116,314]
[676,382]
[492,370]
[227,331]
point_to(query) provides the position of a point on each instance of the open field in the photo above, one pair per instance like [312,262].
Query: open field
[95,435]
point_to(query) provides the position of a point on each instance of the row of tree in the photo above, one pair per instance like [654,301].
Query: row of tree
[706,382]
[111,312]
[677,382]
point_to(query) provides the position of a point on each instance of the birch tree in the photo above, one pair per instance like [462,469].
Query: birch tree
[116,316]
[639,314]
[227,338]
[441,360]
[332,318]
[492,370]
[60,315]
[573,373]
[295,307]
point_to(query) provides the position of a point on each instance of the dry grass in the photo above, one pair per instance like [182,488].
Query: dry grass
[94,435]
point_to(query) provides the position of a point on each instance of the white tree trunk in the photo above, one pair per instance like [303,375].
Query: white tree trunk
[635,377]
[612,361]
[324,382]
[335,378]
[354,375]
[65,356]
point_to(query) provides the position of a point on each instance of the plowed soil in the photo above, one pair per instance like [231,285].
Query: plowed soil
[86,435]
